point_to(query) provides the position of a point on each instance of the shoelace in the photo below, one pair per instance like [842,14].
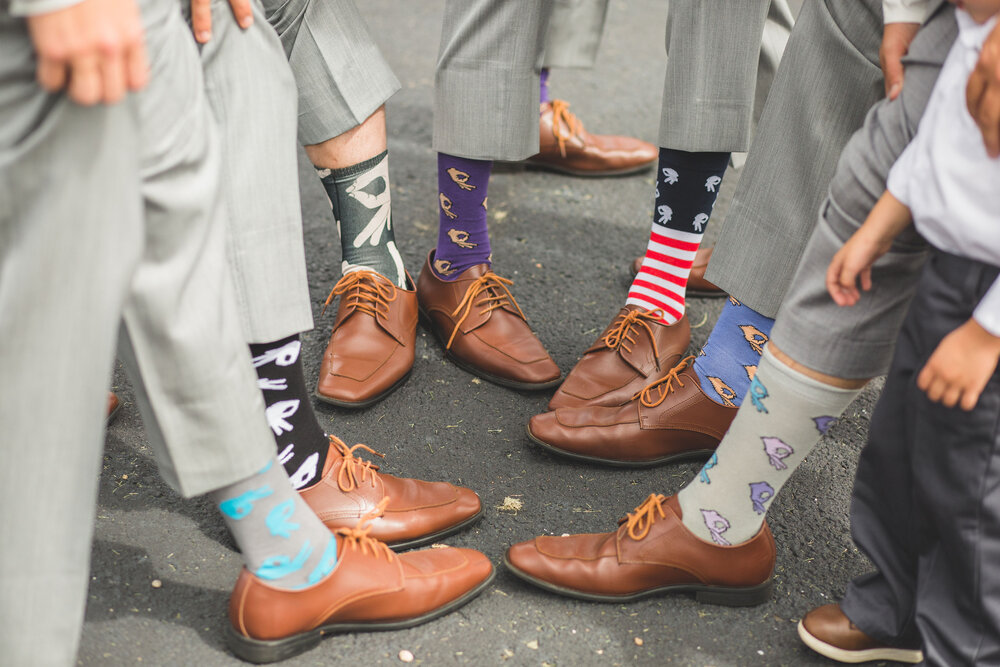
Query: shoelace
[664,385]
[562,116]
[495,294]
[639,522]
[371,294]
[358,536]
[624,329]
[347,478]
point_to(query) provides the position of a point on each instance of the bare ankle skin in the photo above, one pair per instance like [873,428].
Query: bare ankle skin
[840,383]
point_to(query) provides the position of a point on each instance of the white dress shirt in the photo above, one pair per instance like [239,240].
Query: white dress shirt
[905,11]
[945,177]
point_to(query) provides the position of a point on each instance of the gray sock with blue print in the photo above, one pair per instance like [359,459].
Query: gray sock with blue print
[283,542]
[786,415]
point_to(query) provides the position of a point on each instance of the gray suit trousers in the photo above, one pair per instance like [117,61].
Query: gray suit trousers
[827,81]
[857,342]
[340,73]
[486,86]
[108,217]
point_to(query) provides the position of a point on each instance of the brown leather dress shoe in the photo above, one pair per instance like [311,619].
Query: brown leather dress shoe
[371,349]
[829,632]
[113,406]
[566,147]
[417,512]
[634,350]
[697,286]
[651,553]
[670,420]
[370,588]
[483,329]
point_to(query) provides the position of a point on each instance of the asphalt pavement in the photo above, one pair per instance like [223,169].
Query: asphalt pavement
[162,567]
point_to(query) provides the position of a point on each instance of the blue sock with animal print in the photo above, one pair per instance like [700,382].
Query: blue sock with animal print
[463,234]
[281,539]
[729,358]
[787,415]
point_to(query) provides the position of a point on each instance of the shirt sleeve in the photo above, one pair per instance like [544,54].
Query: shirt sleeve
[905,11]
[33,7]
[987,313]
[901,174]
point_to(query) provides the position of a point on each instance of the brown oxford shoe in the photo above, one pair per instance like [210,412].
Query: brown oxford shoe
[670,420]
[697,286]
[566,147]
[417,512]
[634,350]
[370,588]
[371,349]
[483,329]
[651,553]
[829,632]
[113,406]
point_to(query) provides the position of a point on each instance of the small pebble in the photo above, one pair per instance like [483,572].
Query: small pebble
[405,656]
[638,641]
[156,583]
[533,644]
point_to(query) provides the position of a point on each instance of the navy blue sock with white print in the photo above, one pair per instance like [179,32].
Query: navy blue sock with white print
[281,539]
[790,412]
[302,445]
[686,187]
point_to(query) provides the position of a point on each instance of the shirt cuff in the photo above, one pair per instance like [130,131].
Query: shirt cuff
[905,11]
[987,313]
[35,7]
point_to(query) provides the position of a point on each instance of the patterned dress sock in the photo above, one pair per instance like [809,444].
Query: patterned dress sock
[362,206]
[302,445]
[281,539]
[787,414]
[463,235]
[728,361]
[686,187]
[543,78]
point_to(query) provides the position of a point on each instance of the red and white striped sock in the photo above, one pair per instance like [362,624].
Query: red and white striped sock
[661,282]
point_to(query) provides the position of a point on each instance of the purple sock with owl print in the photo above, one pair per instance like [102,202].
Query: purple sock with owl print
[463,234]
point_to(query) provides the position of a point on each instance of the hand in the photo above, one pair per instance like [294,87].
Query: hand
[961,366]
[852,262]
[201,17]
[95,48]
[896,38]
[982,94]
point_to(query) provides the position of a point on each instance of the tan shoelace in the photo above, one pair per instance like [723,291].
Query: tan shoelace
[563,117]
[495,294]
[358,536]
[347,478]
[370,293]
[622,332]
[639,522]
[664,386]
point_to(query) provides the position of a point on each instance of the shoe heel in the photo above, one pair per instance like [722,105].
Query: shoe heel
[260,651]
[736,597]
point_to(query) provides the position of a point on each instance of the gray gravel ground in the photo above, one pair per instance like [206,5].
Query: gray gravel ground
[162,567]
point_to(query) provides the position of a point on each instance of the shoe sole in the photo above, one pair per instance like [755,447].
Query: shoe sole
[842,655]
[113,415]
[368,401]
[693,455]
[430,539]
[426,321]
[260,651]
[721,595]
[545,166]
[696,293]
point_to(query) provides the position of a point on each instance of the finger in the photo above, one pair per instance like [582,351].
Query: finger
[893,69]
[936,390]
[51,75]
[925,378]
[201,20]
[866,279]
[989,119]
[85,80]
[113,76]
[137,66]
[974,90]
[243,12]
[969,398]
[951,395]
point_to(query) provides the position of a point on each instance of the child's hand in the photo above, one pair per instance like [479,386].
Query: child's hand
[852,262]
[961,366]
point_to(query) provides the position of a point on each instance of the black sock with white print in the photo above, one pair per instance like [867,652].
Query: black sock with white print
[302,445]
